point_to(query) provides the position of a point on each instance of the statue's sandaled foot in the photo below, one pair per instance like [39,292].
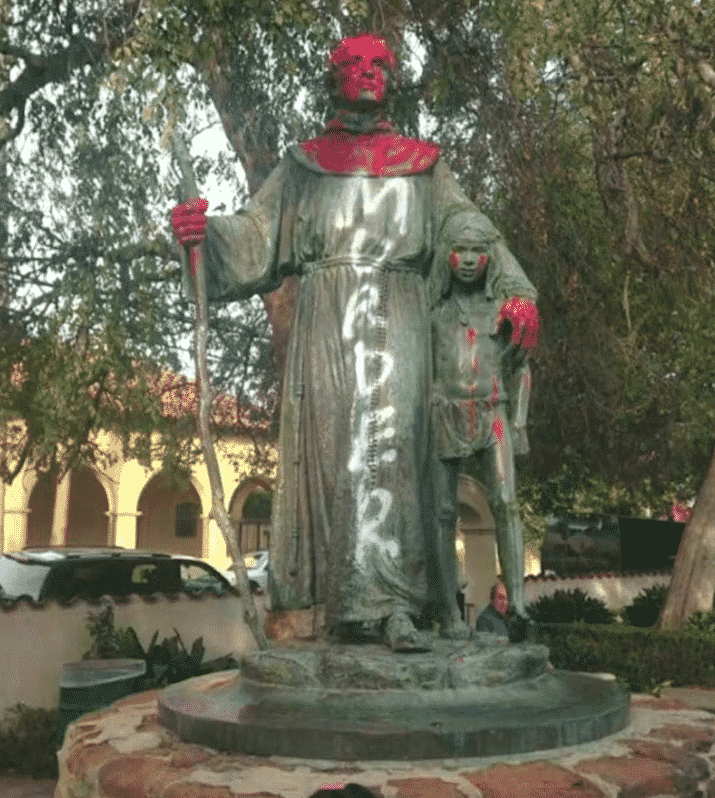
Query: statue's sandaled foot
[400,634]
[454,629]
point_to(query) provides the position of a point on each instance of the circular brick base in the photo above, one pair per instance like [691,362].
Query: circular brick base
[124,752]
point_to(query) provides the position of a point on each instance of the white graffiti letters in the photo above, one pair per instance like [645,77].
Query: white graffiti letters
[363,359]
[361,308]
[372,425]
[373,507]
[382,433]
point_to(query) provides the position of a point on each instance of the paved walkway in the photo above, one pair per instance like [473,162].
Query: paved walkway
[667,750]
[26,787]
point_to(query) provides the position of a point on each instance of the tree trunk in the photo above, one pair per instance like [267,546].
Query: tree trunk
[60,511]
[693,584]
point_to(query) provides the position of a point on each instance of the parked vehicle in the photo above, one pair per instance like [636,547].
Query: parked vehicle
[256,563]
[66,572]
[576,545]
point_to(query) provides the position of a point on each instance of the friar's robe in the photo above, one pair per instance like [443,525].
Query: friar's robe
[353,507]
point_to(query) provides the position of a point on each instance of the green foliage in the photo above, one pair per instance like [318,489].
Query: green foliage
[27,742]
[702,622]
[569,606]
[167,662]
[616,229]
[643,659]
[585,130]
[258,505]
[108,642]
[646,606]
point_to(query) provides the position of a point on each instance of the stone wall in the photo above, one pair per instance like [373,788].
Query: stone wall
[36,640]
[616,590]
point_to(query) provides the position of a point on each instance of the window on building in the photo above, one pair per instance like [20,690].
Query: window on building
[187,519]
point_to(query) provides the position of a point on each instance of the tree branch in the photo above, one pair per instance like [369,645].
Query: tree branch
[41,70]
[38,72]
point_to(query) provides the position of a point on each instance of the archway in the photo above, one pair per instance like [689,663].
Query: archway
[250,512]
[170,517]
[87,519]
[477,534]
[40,506]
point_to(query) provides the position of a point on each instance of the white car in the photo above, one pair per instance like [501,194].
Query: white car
[256,563]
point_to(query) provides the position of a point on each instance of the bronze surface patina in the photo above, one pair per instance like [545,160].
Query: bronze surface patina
[395,264]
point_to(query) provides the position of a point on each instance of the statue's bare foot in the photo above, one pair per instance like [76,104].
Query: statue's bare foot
[400,634]
[454,629]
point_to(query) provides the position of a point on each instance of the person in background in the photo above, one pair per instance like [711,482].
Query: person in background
[493,617]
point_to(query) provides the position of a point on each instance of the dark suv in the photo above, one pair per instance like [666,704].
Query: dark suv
[64,573]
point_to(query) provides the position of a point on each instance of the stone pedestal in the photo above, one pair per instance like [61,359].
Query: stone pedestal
[124,752]
[463,699]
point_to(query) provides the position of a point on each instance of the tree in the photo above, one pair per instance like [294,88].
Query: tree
[610,196]
[624,181]
[693,584]
[569,134]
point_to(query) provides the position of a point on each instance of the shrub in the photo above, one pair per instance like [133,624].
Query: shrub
[642,658]
[646,606]
[27,742]
[702,622]
[166,663]
[570,606]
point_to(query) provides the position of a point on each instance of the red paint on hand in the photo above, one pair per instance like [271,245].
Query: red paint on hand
[188,220]
[524,319]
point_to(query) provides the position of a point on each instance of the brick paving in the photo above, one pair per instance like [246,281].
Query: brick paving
[123,752]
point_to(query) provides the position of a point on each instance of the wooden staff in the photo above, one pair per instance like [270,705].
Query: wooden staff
[201,332]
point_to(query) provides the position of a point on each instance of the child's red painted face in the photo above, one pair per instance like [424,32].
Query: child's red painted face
[468,262]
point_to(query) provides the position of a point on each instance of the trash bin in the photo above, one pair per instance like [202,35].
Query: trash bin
[94,684]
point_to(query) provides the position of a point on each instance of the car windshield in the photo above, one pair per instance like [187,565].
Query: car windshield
[255,559]
[19,578]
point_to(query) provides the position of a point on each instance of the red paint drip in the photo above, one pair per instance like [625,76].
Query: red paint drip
[495,389]
[498,430]
[475,364]
[471,336]
[195,258]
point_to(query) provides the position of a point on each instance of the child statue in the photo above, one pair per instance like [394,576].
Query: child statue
[481,391]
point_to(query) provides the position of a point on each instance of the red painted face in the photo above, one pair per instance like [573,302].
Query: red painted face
[468,261]
[361,63]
